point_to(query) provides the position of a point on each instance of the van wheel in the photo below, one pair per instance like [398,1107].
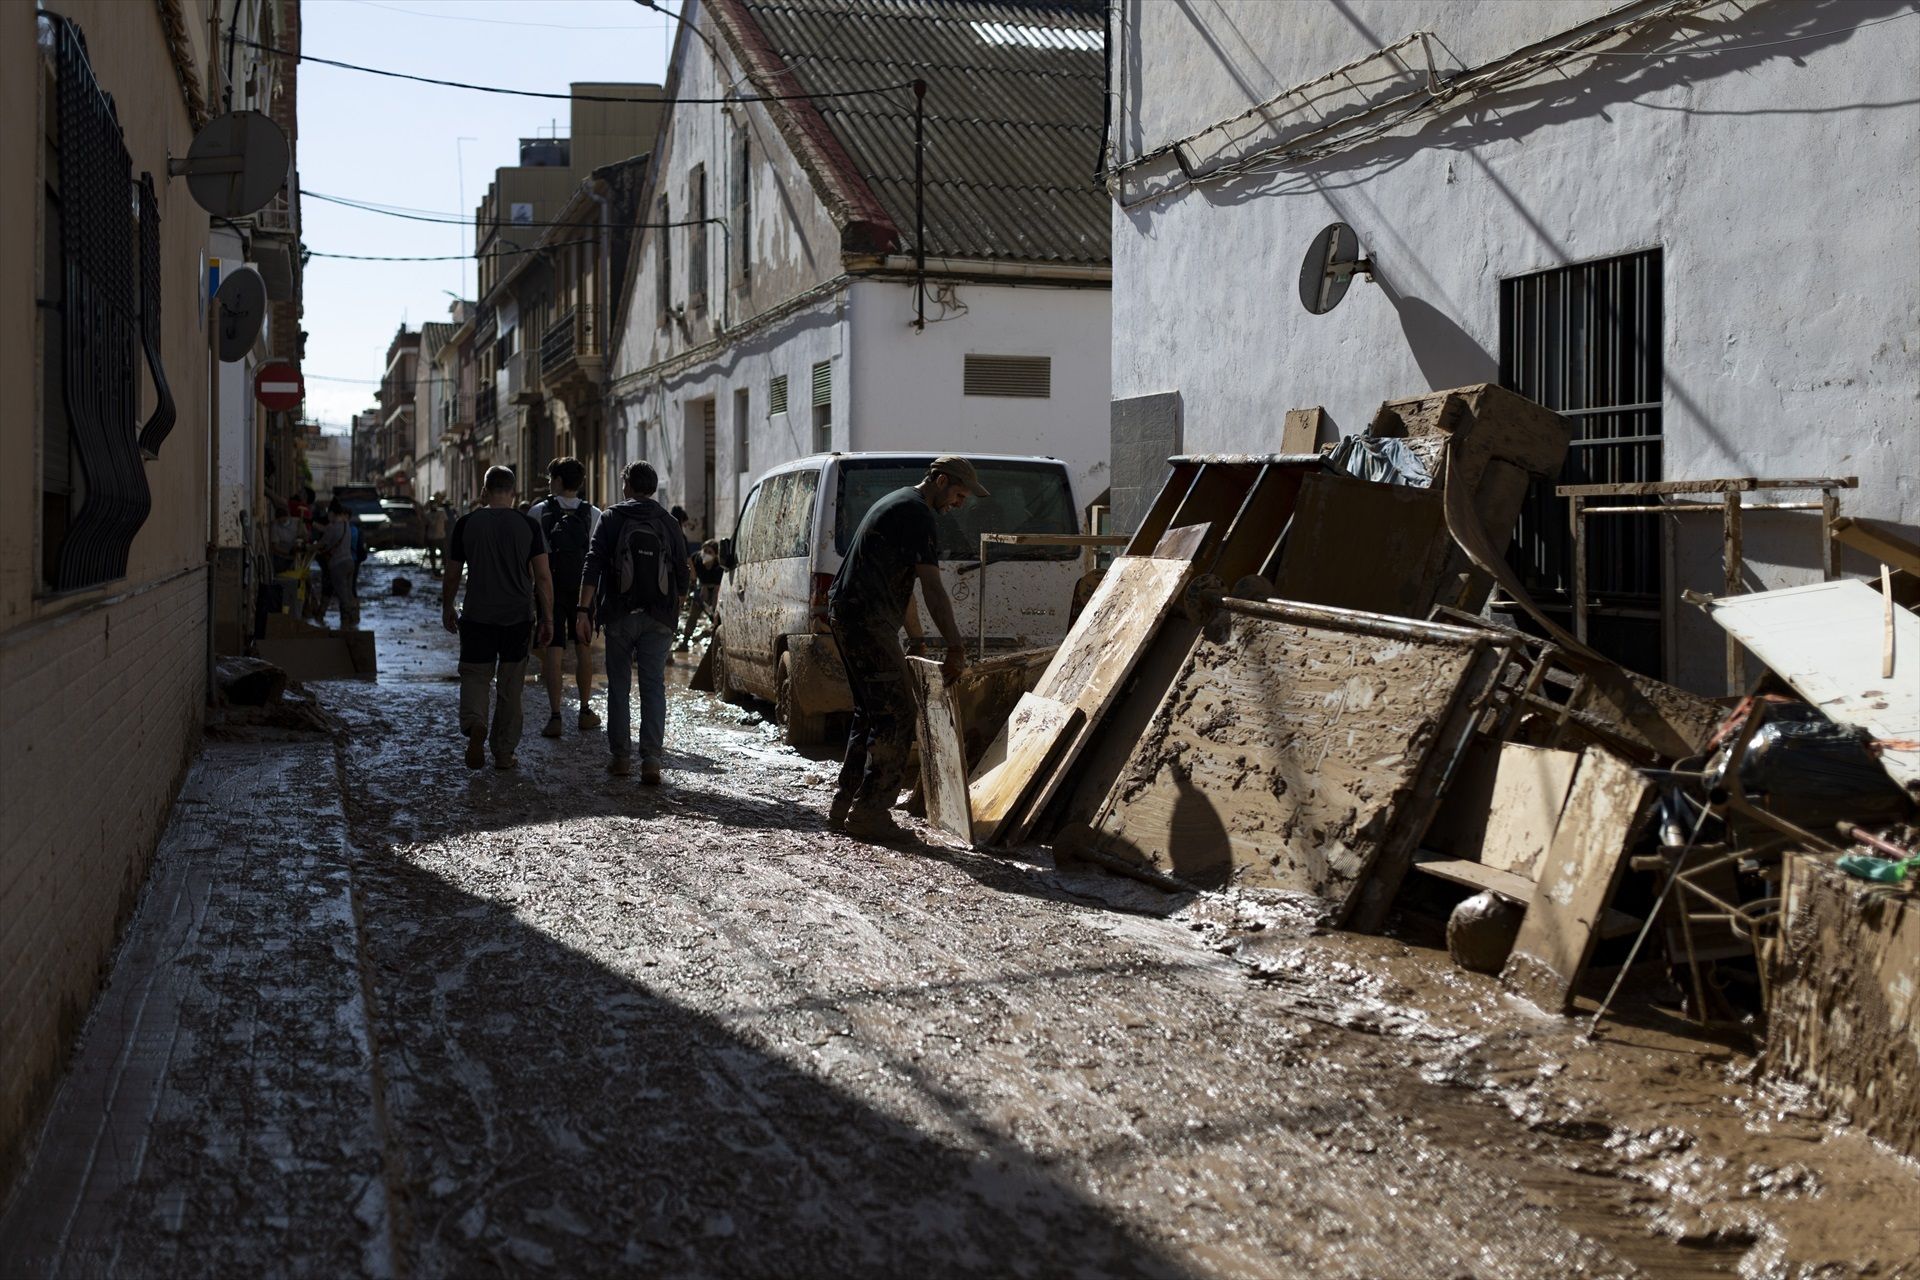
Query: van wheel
[801,730]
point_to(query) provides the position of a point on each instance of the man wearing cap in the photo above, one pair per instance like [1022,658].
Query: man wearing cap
[896,544]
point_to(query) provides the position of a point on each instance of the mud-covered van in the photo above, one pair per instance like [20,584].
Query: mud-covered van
[793,532]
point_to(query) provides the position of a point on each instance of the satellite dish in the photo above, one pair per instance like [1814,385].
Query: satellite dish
[235,165]
[1329,267]
[243,309]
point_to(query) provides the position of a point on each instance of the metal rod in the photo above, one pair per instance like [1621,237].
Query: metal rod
[920,205]
[1730,530]
[1684,508]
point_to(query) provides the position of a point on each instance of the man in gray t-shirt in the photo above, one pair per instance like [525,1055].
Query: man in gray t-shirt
[503,555]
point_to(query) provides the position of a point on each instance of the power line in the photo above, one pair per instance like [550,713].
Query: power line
[444,257]
[575,97]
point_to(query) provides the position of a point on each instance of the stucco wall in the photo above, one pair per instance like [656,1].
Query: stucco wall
[907,385]
[1778,172]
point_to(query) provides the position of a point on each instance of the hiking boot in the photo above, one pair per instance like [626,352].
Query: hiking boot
[505,762]
[837,811]
[477,749]
[588,720]
[620,767]
[876,826]
[553,726]
[649,773]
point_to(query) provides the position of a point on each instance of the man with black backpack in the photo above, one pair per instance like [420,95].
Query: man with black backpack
[636,572]
[569,522]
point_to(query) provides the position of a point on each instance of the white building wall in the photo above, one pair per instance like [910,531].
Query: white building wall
[1778,173]
[907,384]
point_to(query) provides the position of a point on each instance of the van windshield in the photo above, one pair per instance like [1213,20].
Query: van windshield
[1024,497]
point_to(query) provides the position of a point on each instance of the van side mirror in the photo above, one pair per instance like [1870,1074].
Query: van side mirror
[728,560]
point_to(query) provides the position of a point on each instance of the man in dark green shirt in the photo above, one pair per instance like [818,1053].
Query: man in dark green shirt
[896,545]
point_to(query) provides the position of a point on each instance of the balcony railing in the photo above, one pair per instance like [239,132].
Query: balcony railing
[574,335]
[484,406]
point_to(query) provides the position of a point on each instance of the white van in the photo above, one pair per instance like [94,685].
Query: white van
[793,532]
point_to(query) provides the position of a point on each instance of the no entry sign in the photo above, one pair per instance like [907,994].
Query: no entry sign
[277,385]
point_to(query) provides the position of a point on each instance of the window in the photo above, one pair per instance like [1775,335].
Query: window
[697,238]
[823,406]
[1585,341]
[740,420]
[663,267]
[743,527]
[1026,497]
[790,514]
[742,212]
[777,395]
[1028,377]
[98,230]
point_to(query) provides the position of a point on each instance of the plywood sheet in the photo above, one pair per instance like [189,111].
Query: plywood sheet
[1036,731]
[1828,640]
[1529,789]
[1605,808]
[943,764]
[1283,755]
[1355,544]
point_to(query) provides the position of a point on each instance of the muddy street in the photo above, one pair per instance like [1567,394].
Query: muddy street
[688,1031]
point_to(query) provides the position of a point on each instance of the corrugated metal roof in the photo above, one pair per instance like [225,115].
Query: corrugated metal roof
[1013,115]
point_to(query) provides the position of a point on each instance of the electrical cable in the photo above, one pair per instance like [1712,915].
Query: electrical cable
[876,90]
[443,257]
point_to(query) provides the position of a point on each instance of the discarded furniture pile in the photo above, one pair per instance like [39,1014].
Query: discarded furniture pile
[1290,680]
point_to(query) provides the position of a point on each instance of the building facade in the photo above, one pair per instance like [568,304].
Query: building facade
[1626,212]
[777,305]
[112,446]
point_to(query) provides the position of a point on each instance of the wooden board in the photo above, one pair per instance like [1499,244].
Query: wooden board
[1300,430]
[1605,808]
[1356,544]
[1289,756]
[1883,545]
[1096,657]
[943,763]
[1514,888]
[1529,790]
[1037,730]
[1828,640]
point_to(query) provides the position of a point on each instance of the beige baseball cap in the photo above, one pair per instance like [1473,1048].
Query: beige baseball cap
[961,470]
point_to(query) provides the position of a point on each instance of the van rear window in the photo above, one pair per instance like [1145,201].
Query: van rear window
[1025,497]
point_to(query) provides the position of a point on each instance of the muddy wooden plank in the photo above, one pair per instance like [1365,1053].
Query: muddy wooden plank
[1827,640]
[1882,544]
[1036,731]
[1512,887]
[1604,811]
[1529,791]
[1281,756]
[943,765]
[1355,544]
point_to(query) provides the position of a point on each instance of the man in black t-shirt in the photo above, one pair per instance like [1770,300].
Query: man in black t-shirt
[503,554]
[896,545]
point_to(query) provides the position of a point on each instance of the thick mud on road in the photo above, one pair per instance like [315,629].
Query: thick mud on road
[688,1031]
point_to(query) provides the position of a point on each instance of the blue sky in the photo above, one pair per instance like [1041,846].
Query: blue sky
[397,143]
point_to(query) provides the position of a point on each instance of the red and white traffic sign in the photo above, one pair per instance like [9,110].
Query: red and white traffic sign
[278,385]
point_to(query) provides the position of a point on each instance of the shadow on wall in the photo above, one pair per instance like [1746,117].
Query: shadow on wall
[1448,355]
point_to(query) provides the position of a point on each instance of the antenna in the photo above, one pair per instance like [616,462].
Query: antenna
[243,310]
[1332,260]
[235,165]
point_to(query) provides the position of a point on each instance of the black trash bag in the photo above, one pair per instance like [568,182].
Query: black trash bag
[1814,773]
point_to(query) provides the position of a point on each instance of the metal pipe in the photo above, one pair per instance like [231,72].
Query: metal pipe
[1385,626]
[920,205]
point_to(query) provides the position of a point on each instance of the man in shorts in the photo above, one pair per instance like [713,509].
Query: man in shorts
[568,521]
[508,608]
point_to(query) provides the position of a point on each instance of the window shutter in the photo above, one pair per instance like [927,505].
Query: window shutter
[777,395]
[1029,377]
[823,384]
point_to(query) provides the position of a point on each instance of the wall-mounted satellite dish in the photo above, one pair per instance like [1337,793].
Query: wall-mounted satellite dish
[1329,267]
[243,309]
[235,165]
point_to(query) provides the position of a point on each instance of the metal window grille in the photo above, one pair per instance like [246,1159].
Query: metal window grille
[160,424]
[1029,377]
[1586,341]
[99,322]
[777,395]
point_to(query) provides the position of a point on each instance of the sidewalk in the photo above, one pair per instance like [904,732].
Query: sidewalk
[219,1116]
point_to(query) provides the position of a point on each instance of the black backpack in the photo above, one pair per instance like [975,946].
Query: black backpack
[638,578]
[568,536]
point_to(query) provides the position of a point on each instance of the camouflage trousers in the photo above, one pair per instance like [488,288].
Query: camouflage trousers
[881,735]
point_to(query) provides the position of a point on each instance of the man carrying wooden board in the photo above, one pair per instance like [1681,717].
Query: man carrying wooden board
[896,544]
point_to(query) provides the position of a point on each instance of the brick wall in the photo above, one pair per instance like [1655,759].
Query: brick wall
[100,713]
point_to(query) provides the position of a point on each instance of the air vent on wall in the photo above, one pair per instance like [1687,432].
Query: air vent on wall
[822,384]
[1027,376]
[777,395]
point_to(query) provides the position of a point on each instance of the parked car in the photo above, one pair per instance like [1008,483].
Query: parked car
[793,531]
[363,501]
[407,528]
